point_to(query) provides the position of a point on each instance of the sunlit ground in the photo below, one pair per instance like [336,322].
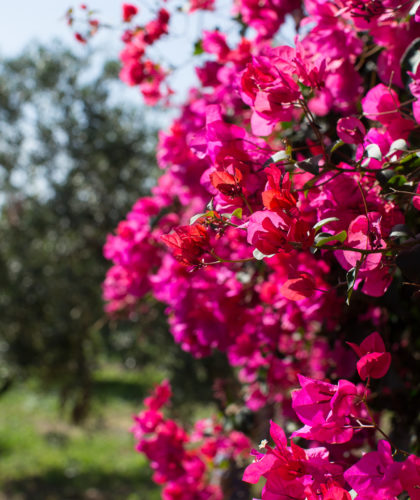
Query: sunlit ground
[43,457]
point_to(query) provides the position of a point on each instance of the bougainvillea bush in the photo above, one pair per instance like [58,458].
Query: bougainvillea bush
[284,232]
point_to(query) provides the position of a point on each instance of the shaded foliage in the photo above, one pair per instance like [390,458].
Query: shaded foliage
[66,152]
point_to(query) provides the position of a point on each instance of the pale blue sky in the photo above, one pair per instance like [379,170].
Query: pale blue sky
[25,21]
[22,21]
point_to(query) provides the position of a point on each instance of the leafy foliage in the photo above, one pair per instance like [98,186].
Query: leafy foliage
[66,152]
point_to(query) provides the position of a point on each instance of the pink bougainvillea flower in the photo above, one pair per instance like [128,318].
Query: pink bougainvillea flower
[351,130]
[265,17]
[188,243]
[376,282]
[214,42]
[291,472]
[396,37]
[410,477]
[417,15]
[325,409]
[132,72]
[268,318]
[267,85]
[301,232]
[333,491]
[157,27]
[278,195]
[265,462]
[299,288]
[226,183]
[366,11]
[416,198]
[267,231]
[416,110]
[364,233]
[180,461]
[128,12]
[277,178]
[310,74]
[381,103]
[374,360]
[147,421]
[376,475]
[278,199]
[160,395]
[271,231]
[201,5]
[80,38]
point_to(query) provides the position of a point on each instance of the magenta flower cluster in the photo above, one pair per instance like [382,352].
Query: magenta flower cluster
[332,414]
[180,461]
[289,188]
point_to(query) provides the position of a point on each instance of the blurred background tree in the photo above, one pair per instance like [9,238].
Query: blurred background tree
[72,162]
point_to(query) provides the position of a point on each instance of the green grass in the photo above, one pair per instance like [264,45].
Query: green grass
[43,457]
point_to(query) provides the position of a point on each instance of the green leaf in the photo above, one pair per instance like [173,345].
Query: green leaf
[351,280]
[281,155]
[322,222]
[198,48]
[383,176]
[195,218]
[400,231]
[323,238]
[337,145]
[398,180]
[308,186]
[286,125]
[373,151]
[303,87]
[310,165]
[237,213]
[259,255]
[412,156]
[397,145]
[415,163]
